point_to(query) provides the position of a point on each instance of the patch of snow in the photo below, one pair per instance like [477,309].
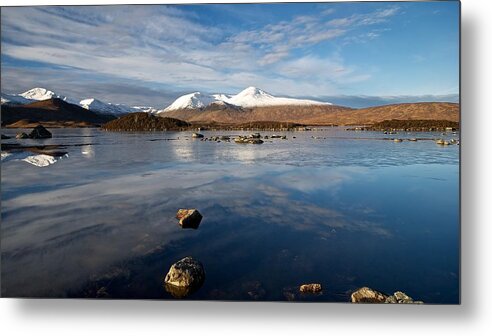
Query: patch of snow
[38,160]
[96,105]
[39,94]
[193,100]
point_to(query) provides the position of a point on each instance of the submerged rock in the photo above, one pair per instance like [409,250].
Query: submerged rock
[40,132]
[189,218]
[367,295]
[197,135]
[255,141]
[5,137]
[310,288]
[21,135]
[184,277]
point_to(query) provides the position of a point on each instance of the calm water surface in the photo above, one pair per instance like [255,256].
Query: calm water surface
[345,209]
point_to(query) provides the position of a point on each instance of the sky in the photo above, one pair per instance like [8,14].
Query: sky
[352,53]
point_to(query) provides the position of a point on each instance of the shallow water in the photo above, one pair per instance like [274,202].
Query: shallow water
[345,209]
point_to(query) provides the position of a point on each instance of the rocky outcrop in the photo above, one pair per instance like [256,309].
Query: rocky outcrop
[310,288]
[369,295]
[189,218]
[40,132]
[184,277]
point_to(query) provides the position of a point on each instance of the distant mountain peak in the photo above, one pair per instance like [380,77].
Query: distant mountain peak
[249,97]
[39,94]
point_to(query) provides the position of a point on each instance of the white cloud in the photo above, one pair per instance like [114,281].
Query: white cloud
[169,46]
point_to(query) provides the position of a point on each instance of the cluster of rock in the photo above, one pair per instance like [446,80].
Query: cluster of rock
[39,132]
[213,138]
[412,125]
[443,142]
[369,295]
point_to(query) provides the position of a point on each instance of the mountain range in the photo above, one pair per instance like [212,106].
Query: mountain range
[249,105]
[249,97]
[92,104]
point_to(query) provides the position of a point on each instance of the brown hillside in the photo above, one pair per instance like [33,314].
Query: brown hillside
[51,111]
[321,114]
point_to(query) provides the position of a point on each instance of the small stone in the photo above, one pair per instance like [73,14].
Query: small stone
[368,295]
[40,132]
[184,277]
[189,218]
[21,136]
[5,137]
[197,135]
[310,288]
[255,141]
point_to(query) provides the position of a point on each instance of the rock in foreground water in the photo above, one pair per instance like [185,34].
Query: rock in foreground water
[189,218]
[184,277]
[40,132]
[310,288]
[21,135]
[367,295]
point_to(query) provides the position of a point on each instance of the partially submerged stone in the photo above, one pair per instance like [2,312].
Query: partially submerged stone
[184,277]
[40,132]
[400,297]
[255,141]
[197,135]
[21,135]
[189,218]
[310,288]
[367,295]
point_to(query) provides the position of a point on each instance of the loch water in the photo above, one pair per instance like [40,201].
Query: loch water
[341,208]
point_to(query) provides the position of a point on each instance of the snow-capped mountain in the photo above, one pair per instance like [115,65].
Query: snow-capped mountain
[93,104]
[193,100]
[14,99]
[96,105]
[40,94]
[249,97]
[35,94]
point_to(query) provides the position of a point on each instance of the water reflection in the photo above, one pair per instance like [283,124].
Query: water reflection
[106,227]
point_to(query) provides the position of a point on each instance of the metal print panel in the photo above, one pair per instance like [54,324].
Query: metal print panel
[252,152]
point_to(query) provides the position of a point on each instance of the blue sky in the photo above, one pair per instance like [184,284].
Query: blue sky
[351,53]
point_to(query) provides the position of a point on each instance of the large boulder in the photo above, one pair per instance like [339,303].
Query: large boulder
[39,132]
[184,277]
[368,295]
[189,218]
